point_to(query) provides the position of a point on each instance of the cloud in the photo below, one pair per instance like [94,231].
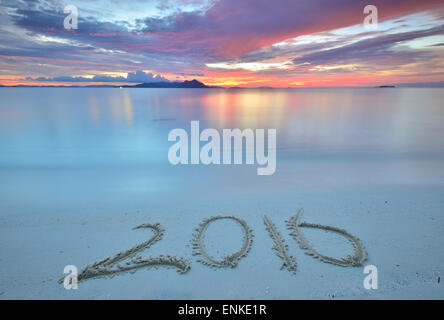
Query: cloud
[228,29]
[191,74]
[231,28]
[140,76]
[132,77]
[369,50]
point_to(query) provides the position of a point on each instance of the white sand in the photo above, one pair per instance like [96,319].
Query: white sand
[52,218]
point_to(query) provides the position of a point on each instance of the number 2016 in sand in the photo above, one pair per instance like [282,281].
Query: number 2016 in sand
[111,266]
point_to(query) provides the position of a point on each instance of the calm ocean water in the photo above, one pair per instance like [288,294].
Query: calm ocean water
[76,141]
[99,126]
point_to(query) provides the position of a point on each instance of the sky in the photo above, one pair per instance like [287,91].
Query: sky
[245,43]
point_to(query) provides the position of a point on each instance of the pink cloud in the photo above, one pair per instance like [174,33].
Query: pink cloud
[232,28]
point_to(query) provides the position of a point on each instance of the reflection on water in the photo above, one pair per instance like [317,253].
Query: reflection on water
[121,107]
[94,108]
[243,108]
[100,126]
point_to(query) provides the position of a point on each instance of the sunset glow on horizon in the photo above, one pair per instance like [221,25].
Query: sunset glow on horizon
[222,43]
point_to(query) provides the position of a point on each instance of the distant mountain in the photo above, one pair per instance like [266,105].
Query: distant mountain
[185,84]
[197,84]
